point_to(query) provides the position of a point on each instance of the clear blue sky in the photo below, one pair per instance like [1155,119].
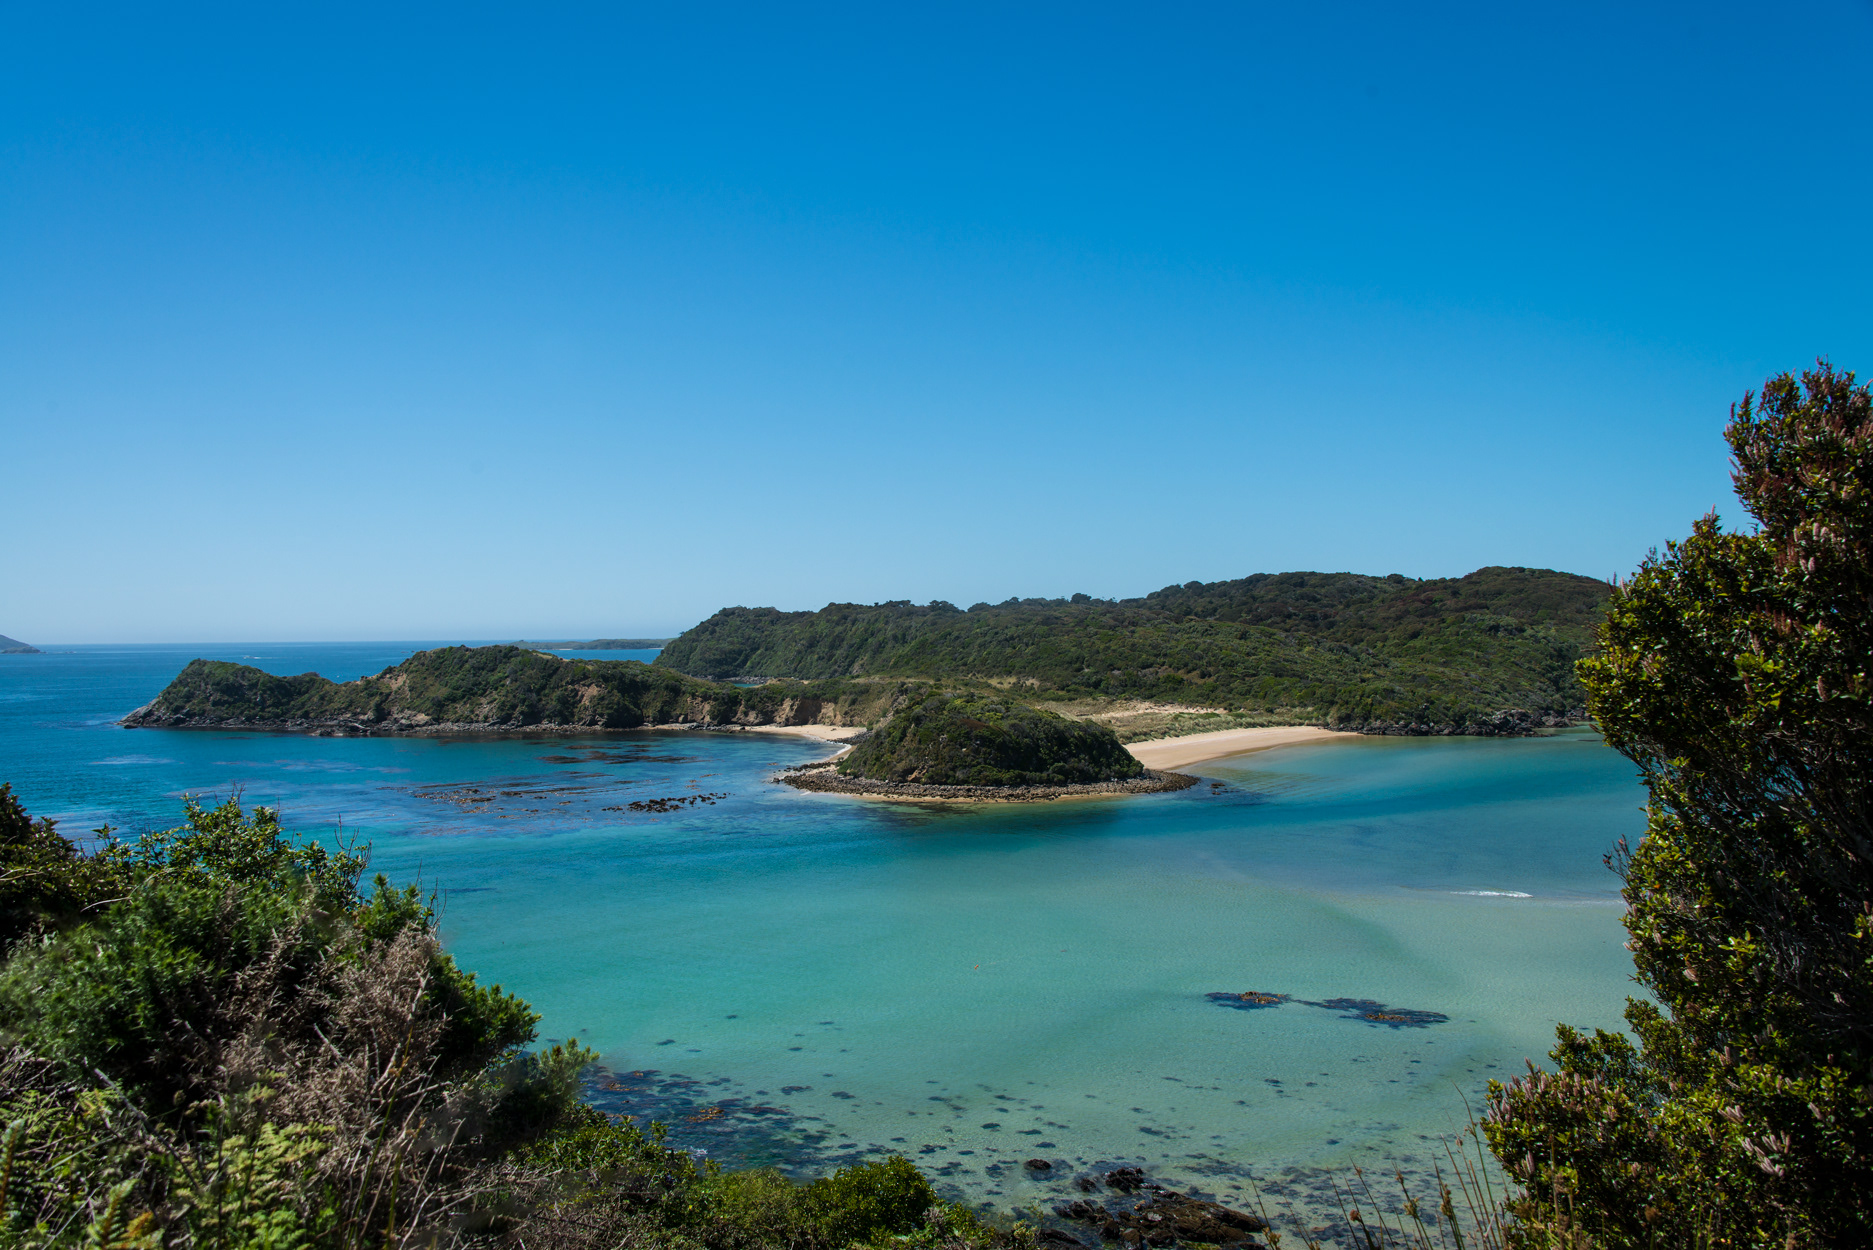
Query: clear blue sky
[552,322]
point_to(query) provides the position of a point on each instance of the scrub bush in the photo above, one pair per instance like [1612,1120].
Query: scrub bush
[45,881]
[1733,671]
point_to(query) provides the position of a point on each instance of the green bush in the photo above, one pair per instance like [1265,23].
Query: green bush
[868,1200]
[142,992]
[1733,671]
[45,881]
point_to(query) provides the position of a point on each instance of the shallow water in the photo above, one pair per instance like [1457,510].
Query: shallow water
[805,978]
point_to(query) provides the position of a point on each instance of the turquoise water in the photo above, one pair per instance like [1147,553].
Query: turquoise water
[806,978]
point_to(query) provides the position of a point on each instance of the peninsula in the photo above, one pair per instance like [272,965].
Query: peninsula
[494,689]
[13,646]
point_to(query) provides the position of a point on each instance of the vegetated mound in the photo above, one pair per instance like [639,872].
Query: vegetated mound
[945,739]
[491,688]
[13,646]
[1381,654]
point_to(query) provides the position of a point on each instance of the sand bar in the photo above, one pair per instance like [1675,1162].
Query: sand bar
[1171,753]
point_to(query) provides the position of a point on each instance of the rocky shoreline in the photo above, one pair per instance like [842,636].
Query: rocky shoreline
[148,717]
[824,778]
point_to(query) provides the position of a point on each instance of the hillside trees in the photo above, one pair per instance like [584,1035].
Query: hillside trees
[1357,652]
[1733,671]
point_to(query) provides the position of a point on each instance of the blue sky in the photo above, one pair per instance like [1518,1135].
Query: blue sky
[550,321]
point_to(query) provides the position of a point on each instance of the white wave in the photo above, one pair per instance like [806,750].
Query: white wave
[1493,893]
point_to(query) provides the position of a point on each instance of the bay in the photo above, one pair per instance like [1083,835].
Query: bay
[808,979]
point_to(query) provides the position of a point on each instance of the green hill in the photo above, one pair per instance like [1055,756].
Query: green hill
[1348,650]
[13,646]
[495,688]
[947,739]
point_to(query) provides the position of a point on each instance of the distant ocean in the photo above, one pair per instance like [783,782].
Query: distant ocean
[806,979]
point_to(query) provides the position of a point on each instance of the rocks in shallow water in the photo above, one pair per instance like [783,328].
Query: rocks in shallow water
[1248,1000]
[1039,1165]
[1086,1184]
[1125,1180]
[1058,1237]
[1378,1013]
[1165,1218]
[1370,1010]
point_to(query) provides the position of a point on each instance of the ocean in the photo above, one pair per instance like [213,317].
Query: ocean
[805,980]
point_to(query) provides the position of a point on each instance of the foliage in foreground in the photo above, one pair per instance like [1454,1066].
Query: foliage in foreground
[215,1038]
[1733,671]
[949,739]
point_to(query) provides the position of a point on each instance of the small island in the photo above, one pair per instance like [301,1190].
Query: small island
[979,747]
[13,646]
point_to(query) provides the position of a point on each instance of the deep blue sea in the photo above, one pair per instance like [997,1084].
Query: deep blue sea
[805,979]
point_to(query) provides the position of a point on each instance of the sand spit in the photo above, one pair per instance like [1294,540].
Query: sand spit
[1163,753]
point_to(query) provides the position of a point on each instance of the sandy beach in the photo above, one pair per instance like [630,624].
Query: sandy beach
[1173,753]
[822,733]
[819,733]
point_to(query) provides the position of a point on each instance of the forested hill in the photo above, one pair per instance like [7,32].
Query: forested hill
[1439,655]
[494,688]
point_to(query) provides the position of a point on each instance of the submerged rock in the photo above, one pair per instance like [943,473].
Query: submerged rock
[1370,1010]
[1165,1218]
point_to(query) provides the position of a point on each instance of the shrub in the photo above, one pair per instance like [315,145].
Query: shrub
[1733,671]
[45,880]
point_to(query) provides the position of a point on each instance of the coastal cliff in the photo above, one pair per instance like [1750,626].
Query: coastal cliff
[466,689]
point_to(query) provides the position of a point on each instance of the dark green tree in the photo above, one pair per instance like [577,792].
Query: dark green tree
[1733,670]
